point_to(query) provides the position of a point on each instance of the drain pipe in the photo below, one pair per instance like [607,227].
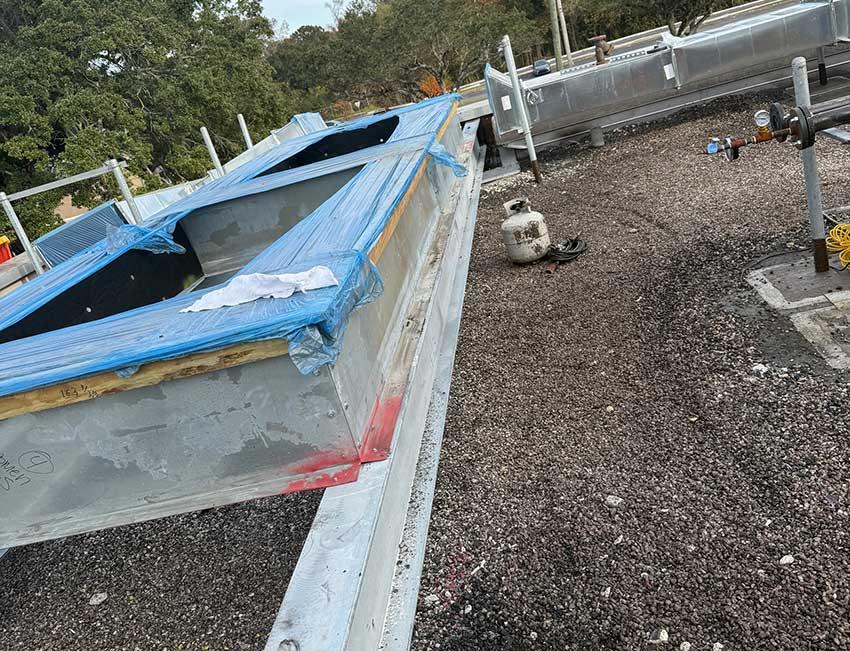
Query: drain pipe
[800,74]
[556,35]
[520,106]
[567,47]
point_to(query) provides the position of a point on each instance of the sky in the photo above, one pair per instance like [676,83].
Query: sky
[298,12]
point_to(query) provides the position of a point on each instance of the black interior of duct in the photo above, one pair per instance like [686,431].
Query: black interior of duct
[134,279]
[339,144]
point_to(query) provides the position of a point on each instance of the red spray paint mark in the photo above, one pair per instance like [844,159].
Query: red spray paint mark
[322,460]
[346,475]
[379,431]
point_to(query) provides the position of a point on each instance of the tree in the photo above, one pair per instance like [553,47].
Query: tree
[448,40]
[87,80]
[399,49]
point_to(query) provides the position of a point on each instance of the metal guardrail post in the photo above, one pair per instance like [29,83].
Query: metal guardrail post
[246,136]
[115,167]
[21,233]
[213,155]
[516,87]
[800,74]
[568,50]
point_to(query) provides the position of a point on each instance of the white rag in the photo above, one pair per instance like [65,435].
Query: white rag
[248,288]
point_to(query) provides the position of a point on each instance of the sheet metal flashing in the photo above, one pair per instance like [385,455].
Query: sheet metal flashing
[341,592]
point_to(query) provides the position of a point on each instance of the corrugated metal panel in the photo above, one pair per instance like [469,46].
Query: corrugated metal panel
[80,233]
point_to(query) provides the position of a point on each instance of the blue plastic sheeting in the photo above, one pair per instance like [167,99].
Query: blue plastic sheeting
[338,234]
[131,236]
[309,122]
[89,228]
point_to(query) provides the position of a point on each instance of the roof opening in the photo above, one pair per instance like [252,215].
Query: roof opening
[339,144]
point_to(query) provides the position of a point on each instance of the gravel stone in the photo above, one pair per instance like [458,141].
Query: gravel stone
[206,581]
[98,598]
[530,451]
[786,560]
[612,501]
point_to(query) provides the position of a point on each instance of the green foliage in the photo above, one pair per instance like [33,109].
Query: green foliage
[388,49]
[87,80]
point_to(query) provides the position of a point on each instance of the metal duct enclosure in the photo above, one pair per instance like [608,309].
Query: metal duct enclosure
[716,55]
[777,35]
[581,89]
[587,88]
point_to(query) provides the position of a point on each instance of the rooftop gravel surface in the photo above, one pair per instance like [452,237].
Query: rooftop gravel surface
[618,472]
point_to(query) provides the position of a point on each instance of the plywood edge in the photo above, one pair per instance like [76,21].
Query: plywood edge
[102,384]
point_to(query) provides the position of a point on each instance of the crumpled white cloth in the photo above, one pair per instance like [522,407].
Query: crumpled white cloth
[250,287]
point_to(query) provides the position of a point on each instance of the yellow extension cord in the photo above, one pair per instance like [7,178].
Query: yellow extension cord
[838,241]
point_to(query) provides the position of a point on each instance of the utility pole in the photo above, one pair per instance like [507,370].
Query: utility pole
[556,34]
[563,21]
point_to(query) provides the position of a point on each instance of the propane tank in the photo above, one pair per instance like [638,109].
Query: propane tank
[524,232]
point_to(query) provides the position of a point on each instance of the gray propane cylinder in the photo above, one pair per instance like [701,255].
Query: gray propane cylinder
[524,232]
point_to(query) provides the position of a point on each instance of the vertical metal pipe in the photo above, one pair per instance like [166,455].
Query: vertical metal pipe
[567,47]
[21,233]
[245,135]
[822,73]
[556,35]
[520,106]
[800,74]
[213,155]
[135,215]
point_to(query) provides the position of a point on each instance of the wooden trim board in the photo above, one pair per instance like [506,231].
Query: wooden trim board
[102,384]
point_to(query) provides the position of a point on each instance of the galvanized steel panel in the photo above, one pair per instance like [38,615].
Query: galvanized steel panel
[777,35]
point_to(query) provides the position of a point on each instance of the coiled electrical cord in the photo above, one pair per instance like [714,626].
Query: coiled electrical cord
[566,251]
[838,241]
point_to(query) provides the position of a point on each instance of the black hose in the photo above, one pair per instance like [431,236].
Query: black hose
[566,251]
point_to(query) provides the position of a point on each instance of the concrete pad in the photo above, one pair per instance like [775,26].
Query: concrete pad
[828,330]
[819,304]
[795,285]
